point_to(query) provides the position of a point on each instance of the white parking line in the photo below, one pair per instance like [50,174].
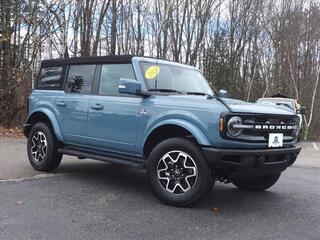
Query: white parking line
[39,176]
[315,146]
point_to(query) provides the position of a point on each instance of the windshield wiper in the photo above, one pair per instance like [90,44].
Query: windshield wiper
[164,90]
[200,94]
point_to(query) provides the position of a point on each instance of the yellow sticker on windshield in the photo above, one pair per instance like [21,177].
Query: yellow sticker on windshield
[152,72]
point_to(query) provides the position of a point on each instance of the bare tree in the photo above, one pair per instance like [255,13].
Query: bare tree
[251,48]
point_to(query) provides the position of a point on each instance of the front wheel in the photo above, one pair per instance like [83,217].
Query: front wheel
[257,183]
[178,172]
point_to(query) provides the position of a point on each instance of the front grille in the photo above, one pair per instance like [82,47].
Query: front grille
[256,128]
[275,123]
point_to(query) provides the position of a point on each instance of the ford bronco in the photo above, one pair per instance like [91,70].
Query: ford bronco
[159,115]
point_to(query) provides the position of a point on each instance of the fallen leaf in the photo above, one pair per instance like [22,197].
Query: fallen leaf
[215,210]
[11,132]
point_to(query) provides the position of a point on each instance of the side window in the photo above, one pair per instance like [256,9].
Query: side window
[50,77]
[80,78]
[110,76]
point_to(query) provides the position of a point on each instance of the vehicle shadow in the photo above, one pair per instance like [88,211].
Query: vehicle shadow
[105,175]
[133,183]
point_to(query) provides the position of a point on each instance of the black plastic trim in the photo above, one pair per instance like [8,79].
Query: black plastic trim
[251,162]
[84,154]
[96,80]
[210,152]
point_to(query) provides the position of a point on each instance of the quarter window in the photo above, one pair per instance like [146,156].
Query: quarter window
[50,77]
[110,76]
[80,78]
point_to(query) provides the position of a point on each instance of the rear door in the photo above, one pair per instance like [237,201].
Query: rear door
[73,103]
[113,117]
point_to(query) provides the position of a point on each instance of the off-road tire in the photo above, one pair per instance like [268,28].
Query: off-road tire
[190,154]
[51,158]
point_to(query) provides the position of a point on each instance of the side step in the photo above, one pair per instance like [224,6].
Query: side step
[83,154]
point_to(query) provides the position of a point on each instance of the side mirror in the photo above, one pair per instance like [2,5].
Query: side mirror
[303,110]
[131,86]
[223,93]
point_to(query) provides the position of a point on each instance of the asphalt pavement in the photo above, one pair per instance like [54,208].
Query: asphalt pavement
[86,199]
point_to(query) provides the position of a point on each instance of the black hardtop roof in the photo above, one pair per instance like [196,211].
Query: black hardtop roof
[86,60]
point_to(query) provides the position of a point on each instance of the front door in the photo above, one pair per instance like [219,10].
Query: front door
[113,117]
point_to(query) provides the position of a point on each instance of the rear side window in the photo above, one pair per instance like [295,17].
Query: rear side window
[110,77]
[80,78]
[50,77]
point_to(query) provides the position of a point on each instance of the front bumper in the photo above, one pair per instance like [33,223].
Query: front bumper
[251,162]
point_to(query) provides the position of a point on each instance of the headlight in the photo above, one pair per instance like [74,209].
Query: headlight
[233,131]
[297,130]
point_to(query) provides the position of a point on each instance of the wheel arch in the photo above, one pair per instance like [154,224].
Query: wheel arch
[173,128]
[46,117]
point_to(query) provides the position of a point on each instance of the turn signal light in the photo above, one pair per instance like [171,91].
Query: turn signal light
[221,124]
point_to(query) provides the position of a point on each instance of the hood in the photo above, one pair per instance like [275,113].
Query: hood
[233,105]
[238,106]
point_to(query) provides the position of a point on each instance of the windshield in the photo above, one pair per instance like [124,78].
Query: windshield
[279,102]
[174,78]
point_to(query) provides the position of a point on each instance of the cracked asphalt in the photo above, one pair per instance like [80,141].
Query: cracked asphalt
[86,199]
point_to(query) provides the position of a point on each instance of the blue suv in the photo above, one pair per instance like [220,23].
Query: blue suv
[159,115]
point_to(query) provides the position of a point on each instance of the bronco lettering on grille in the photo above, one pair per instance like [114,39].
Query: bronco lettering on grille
[272,127]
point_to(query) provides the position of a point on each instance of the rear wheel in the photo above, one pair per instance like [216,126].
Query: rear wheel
[42,148]
[257,183]
[178,172]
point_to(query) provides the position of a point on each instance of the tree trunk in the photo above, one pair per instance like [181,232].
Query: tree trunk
[113,28]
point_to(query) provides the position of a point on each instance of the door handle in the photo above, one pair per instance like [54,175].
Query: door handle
[61,103]
[97,107]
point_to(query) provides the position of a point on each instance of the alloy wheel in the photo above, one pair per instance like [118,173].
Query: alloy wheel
[177,172]
[39,146]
